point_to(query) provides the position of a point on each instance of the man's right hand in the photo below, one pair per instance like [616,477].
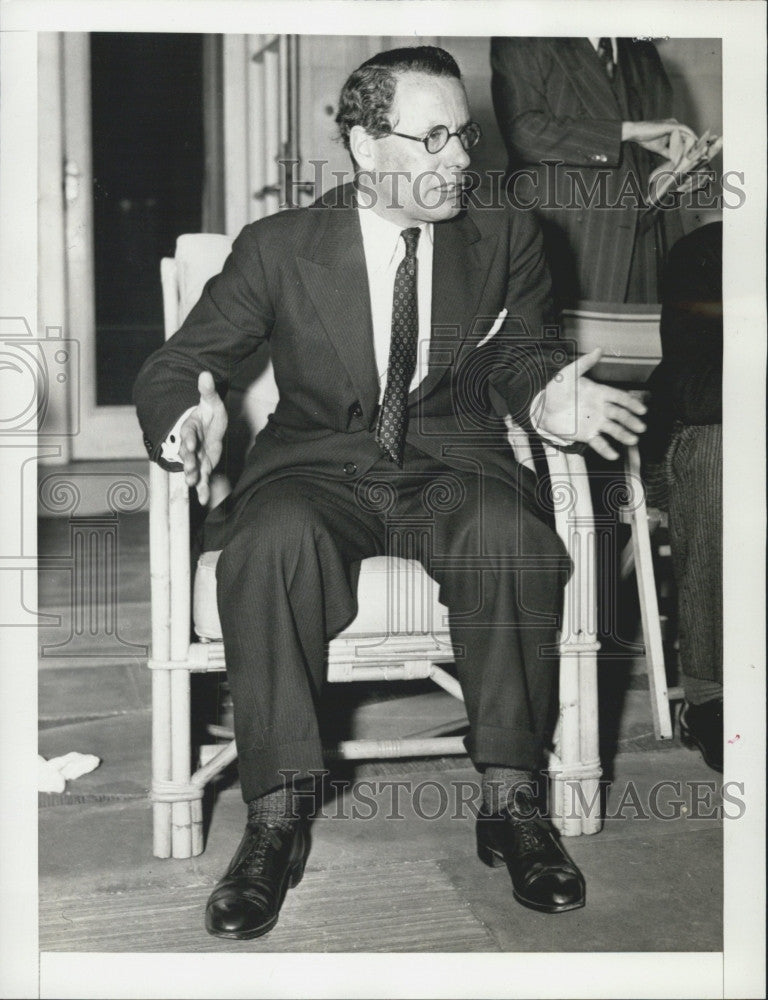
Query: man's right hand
[669,138]
[202,435]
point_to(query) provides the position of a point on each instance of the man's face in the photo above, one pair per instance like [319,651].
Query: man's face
[411,185]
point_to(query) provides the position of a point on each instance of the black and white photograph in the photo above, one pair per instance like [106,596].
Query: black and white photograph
[382,439]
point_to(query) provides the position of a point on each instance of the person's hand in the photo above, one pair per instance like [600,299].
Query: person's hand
[669,137]
[201,436]
[664,180]
[574,408]
[688,173]
[681,141]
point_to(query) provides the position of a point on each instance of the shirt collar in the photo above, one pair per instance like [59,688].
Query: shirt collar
[596,41]
[381,238]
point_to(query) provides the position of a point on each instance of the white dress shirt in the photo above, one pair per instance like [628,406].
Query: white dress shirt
[596,41]
[384,249]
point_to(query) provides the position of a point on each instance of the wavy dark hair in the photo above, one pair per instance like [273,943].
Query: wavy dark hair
[367,96]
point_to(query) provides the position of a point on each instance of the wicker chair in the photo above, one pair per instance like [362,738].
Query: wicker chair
[379,645]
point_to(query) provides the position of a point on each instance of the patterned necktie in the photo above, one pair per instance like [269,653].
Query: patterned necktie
[605,55]
[393,415]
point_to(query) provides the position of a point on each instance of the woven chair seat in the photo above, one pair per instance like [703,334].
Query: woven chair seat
[396,597]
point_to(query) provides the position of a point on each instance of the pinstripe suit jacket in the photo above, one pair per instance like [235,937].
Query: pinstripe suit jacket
[298,280]
[554,102]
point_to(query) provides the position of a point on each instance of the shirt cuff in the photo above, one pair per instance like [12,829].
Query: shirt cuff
[536,407]
[169,449]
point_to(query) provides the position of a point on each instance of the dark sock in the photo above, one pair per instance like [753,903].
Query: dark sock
[281,806]
[698,690]
[500,784]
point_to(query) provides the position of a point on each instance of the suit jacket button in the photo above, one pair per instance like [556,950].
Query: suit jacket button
[356,410]
[350,468]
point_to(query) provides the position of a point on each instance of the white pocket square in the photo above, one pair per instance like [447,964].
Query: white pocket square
[494,329]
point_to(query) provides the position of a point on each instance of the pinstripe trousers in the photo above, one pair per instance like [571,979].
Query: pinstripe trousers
[287,583]
[694,466]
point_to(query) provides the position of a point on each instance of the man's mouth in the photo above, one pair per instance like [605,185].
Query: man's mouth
[450,188]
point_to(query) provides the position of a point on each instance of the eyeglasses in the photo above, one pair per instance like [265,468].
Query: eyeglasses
[437,138]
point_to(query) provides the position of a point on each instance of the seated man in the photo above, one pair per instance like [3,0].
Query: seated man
[372,301]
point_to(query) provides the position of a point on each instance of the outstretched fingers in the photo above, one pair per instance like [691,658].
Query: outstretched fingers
[601,446]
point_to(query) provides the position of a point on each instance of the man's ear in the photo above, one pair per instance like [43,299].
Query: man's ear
[361,147]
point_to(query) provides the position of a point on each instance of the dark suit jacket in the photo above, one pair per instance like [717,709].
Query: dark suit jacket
[298,280]
[554,102]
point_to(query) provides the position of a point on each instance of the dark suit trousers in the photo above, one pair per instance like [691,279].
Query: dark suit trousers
[287,584]
[694,466]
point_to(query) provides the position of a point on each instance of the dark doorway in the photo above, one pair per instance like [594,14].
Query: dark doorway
[148,163]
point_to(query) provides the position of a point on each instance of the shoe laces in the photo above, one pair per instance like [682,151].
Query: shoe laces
[263,838]
[531,838]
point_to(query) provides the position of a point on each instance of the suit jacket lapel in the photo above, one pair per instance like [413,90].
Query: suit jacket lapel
[334,273]
[580,63]
[459,271]
[335,276]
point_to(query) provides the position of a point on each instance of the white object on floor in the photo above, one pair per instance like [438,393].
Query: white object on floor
[53,774]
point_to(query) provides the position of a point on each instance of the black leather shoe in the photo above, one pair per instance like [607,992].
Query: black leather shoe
[269,861]
[543,876]
[701,726]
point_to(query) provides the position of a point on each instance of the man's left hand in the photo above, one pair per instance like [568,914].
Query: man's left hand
[574,408]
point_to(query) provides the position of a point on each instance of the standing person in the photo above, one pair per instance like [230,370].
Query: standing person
[586,121]
[687,398]
[346,291]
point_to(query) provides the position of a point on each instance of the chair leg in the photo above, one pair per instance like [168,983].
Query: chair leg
[564,767]
[649,612]
[589,801]
[649,604]
[161,760]
[183,819]
[575,768]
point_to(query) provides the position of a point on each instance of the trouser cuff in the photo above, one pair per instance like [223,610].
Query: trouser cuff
[515,748]
[265,768]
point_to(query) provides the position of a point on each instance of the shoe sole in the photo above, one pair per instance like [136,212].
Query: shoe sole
[689,740]
[493,859]
[295,876]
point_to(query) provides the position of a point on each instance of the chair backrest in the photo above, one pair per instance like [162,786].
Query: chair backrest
[198,257]
[627,332]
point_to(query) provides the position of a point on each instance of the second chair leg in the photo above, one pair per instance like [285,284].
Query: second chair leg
[181,772]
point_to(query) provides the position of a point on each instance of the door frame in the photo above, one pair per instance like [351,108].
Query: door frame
[103,431]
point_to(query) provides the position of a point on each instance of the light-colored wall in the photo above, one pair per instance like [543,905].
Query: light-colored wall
[694,67]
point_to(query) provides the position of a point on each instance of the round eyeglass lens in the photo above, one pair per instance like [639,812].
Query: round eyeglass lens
[437,138]
[469,136]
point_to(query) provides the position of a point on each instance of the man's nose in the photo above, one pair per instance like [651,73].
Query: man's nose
[454,154]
